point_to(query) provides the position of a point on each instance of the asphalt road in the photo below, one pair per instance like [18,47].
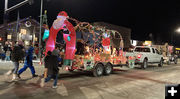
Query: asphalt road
[124,83]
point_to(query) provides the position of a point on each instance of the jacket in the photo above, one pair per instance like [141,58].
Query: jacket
[29,55]
[17,54]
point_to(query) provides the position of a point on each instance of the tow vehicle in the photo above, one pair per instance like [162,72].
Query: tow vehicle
[147,55]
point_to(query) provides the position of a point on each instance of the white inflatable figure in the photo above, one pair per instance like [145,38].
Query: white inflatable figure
[58,23]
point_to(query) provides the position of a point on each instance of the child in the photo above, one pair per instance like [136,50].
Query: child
[28,63]
[51,69]
[8,52]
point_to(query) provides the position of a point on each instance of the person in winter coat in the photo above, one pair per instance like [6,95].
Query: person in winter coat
[28,63]
[16,56]
[51,68]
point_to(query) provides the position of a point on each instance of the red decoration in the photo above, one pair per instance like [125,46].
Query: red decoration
[106,42]
[70,45]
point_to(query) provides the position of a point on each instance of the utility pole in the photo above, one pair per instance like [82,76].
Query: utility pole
[5,20]
[40,29]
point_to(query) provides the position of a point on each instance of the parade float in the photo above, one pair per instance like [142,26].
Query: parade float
[98,50]
[168,53]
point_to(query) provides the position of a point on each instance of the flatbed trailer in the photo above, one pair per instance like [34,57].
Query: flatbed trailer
[98,59]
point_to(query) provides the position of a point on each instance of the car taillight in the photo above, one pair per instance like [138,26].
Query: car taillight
[139,56]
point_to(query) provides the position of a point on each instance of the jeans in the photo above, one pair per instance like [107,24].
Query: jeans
[55,77]
[7,58]
[27,65]
[16,67]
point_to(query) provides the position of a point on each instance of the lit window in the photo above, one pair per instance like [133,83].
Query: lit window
[23,31]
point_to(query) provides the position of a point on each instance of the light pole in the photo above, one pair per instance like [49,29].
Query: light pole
[40,28]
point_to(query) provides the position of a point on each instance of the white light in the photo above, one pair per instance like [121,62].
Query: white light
[178,30]
[26,43]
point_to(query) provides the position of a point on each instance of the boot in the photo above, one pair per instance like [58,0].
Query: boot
[34,75]
[14,78]
[18,75]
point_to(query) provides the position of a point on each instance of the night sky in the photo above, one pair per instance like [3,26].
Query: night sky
[159,17]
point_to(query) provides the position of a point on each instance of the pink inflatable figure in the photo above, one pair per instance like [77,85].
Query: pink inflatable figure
[70,38]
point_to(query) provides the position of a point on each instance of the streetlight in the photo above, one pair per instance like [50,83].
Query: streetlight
[176,31]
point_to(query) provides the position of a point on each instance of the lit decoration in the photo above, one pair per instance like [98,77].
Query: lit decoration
[68,38]
[58,25]
[100,50]
[46,34]
[28,24]
[45,25]
[147,43]
[87,49]
[106,42]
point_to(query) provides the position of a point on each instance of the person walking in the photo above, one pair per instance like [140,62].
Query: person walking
[16,56]
[51,69]
[28,63]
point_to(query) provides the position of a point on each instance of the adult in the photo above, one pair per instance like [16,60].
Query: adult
[16,55]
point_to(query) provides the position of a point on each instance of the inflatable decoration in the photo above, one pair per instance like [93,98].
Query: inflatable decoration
[46,34]
[61,23]
[106,42]
[69,38]
[45,25]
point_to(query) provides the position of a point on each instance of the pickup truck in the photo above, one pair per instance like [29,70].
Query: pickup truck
[146,54]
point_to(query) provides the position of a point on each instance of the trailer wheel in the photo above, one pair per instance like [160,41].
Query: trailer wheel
[108,69]
[175,61]
[98,70]
[145,64]
[160,63]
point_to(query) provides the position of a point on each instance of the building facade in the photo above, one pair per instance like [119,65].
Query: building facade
[26,30]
